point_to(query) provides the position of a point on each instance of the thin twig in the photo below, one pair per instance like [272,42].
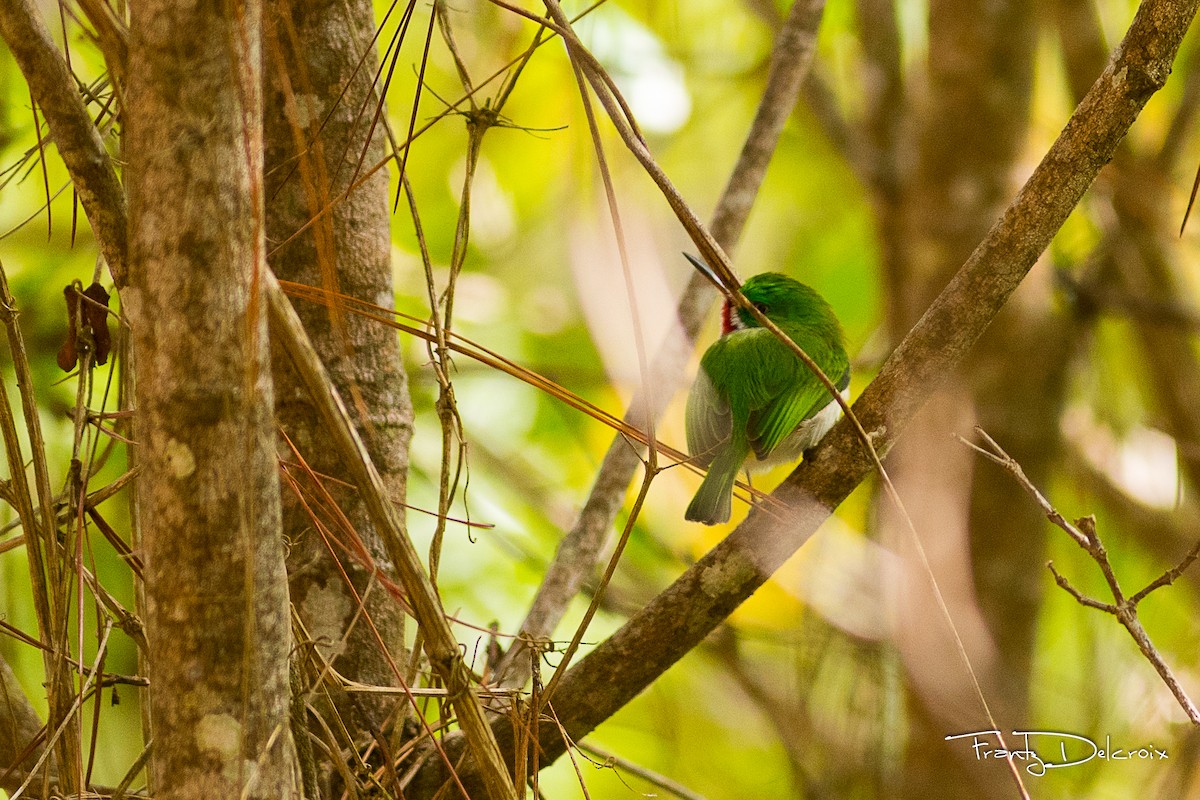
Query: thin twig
[806,17]
[651,463]
[490,358]
[578,553]
[674,622]
[1168,577]
[440,644]
[62,731]
[358,550]
[441,307]
[997,456]
[614,761]
[1083,533]
[399,153]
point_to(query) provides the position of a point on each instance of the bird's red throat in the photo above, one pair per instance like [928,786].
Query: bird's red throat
[728,325]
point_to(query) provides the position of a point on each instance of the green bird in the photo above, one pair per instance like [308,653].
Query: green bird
[754,402]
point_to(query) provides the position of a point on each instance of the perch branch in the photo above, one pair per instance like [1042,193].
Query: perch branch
[675,621]
[578,553]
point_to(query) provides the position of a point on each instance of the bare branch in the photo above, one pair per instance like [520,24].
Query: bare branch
[655,779]
[578,553]
[1168,577]
[1083,600]
[440,644]
[687,611]
[78,142]
[1124,609]
[1164,532]
[997,456]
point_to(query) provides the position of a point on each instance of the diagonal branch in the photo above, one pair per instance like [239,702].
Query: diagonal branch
[678,619]
[440,645]
[579,551]
[78,141]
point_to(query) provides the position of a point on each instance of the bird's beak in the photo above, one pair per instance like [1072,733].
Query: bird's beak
[705,270]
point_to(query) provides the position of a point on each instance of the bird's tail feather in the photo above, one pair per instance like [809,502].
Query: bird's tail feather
[714,499]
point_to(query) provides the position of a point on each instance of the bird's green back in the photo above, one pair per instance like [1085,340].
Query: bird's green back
[761,387]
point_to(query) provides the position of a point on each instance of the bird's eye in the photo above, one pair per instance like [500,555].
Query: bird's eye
[763,307]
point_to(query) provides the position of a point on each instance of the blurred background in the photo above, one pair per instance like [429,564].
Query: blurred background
[918,124]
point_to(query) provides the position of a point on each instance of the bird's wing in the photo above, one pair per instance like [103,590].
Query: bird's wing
[781,416]
[708,419]
[752,380]
[797,394]
[740,374]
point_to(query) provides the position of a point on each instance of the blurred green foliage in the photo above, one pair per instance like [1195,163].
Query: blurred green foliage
[543,286]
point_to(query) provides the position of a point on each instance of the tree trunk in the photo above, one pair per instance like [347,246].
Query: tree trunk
[970,134]
[208,495]
[320,105]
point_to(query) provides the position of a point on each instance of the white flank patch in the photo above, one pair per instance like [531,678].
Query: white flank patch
[806,435]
